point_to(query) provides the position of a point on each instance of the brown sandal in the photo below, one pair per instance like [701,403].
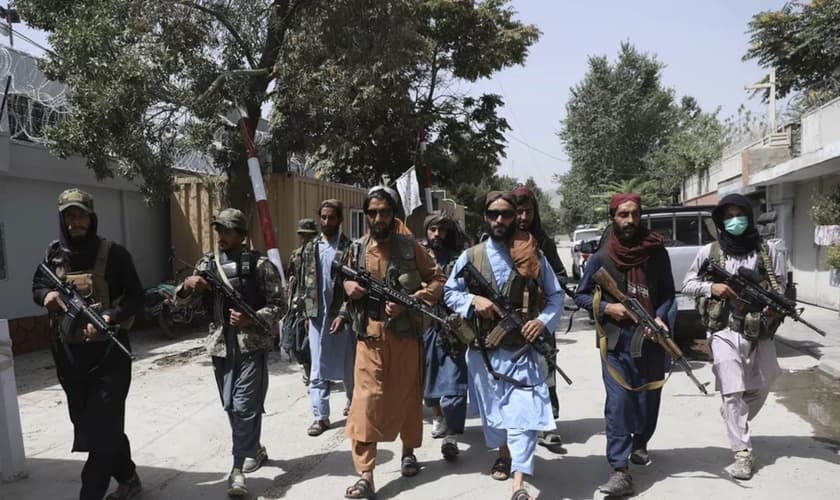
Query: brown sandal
[318,427]
[360,489]
[501,467]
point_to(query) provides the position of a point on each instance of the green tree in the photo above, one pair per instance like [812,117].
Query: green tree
[350,82]
[623,125]
[802,42]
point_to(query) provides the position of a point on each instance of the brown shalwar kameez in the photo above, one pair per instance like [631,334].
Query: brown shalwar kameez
[388,393]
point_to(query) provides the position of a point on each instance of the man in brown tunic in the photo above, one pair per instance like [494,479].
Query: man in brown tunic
[389,354]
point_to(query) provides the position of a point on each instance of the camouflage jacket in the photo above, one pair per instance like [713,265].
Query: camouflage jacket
[250,338]
[307,278]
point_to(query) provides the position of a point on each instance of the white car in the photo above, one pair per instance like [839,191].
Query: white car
[578,258]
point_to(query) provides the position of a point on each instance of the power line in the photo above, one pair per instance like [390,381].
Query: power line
[538,150]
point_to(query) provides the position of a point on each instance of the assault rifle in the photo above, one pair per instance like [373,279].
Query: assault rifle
[511,320]
[379,291]
[78,308]
[234,297]
[746,284]
[641,317]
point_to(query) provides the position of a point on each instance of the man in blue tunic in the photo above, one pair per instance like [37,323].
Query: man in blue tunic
[514,407]
[446,366]
[638,262]
[331,346]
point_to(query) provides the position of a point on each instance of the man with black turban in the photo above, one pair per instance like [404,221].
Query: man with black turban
[741,338]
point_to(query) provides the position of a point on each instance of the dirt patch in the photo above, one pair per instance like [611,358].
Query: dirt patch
[180,358]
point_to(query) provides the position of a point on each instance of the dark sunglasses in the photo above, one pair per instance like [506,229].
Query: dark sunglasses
[494,214]
[382,212]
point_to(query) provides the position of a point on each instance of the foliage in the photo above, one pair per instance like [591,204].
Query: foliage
[351,83]
[832,258]
[802,42]
[825,208]
[622,125]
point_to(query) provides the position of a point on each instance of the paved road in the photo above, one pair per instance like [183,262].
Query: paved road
[181,439]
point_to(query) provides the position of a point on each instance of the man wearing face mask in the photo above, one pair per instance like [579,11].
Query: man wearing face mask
[637,260]
[95,376]
[741,339]
[515,406]
[236,345]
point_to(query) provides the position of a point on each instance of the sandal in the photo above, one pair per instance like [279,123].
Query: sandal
[409,466]
[552,441]
[521,494]
[501,469]
[449,450]
[360,489]
[318,427]
[126,490]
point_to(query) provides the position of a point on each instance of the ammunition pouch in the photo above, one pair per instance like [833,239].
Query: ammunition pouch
[714,313]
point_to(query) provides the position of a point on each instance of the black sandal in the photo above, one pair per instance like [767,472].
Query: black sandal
[409,466]
[501,466]
[521,494]
[360,489]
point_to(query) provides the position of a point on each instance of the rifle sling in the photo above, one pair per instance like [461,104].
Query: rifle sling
[602,347]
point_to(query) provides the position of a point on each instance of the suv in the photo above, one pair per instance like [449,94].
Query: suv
[685,229]
[579,258]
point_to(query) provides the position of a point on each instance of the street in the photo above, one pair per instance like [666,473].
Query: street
[181,439]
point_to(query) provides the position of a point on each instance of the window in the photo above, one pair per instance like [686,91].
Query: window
[687,230]
[663,225]
[357,223]
[2,253]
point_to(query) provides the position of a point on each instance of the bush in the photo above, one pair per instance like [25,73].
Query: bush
[832,259]
[825,208]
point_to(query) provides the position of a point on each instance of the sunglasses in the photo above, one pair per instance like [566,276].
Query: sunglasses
[494,214]
[382,212]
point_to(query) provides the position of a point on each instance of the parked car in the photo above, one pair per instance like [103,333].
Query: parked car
[685,229]
[579,258]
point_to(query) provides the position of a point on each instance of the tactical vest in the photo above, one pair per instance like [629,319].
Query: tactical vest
[716,313]
[91,284]
[612,328]
[525,295]
[401,273]
[243,276]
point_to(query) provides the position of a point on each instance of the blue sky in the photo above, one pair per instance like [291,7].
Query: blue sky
[700,42]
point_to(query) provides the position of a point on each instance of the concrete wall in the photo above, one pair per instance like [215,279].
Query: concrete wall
[821,127]
[30,182]
[807,259]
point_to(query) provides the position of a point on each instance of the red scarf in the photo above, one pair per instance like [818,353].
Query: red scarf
[632,260]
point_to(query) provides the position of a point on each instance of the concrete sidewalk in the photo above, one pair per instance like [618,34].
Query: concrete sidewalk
[825,349]
[181,437]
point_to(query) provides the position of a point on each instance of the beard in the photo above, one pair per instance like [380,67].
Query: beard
[436,244]
[502,233]
[382,233]
[626,234]
[329,231]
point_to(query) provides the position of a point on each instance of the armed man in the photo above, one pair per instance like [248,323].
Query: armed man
[740,336]
[510,391]
[93,371]
[446,369]
[389,354]
[637,261]
[295,335]
[331,347]
[245,293]
[528,218]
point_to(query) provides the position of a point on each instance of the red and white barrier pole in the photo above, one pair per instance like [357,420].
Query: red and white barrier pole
[255,172]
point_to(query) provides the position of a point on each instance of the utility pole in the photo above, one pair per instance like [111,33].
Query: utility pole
[771,85]
[11,16]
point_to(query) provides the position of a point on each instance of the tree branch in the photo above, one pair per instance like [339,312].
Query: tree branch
[222,19]
[217,83]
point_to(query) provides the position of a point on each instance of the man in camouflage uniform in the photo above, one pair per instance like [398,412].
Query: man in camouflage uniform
[295,342]
[331,346]
[95,376]
[237,346]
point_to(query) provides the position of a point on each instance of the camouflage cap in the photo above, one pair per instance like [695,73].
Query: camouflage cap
[75,197]
[306,226]
[233,219]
